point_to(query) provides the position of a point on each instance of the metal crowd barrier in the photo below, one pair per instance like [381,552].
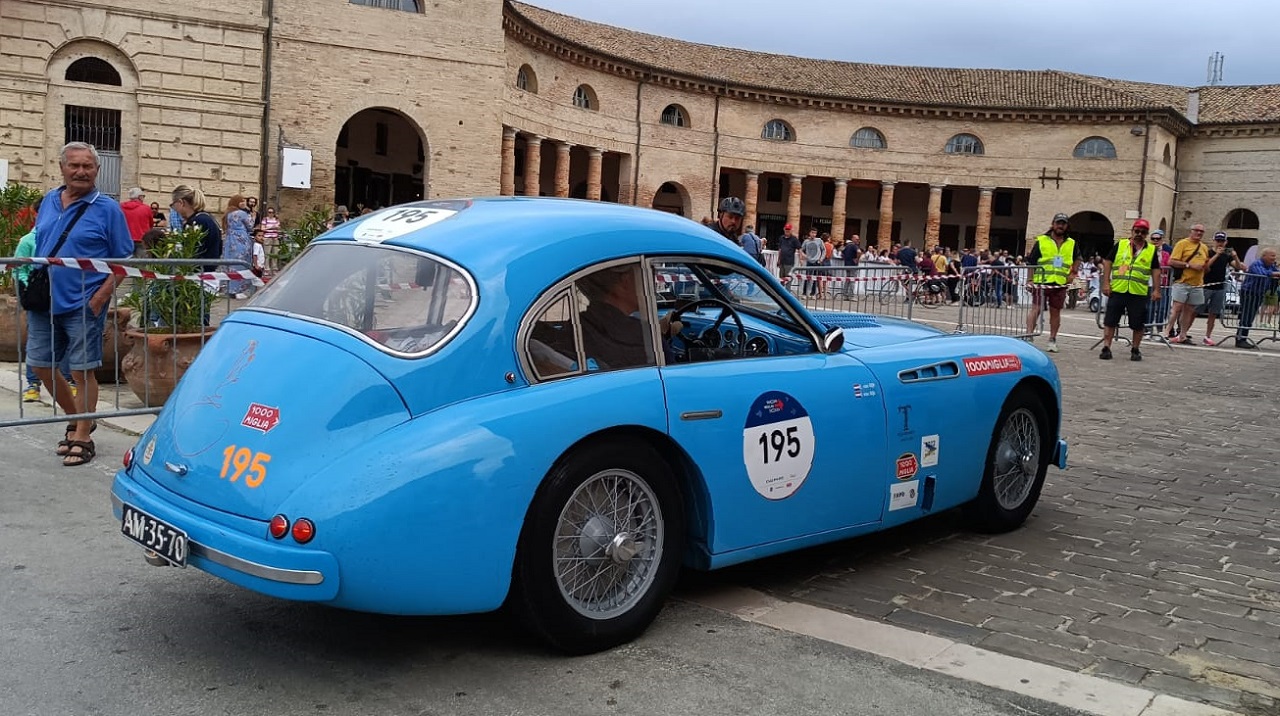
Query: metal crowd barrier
[996,300]
[138,317]
[1256,317]
[879,289]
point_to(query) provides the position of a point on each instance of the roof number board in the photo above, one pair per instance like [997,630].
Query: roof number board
[396,222]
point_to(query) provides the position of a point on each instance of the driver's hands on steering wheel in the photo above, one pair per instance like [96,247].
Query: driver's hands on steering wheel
[668,327]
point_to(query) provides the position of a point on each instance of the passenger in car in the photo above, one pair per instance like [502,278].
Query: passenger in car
[613,333]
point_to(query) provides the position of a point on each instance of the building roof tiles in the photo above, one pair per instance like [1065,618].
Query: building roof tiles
[990,89]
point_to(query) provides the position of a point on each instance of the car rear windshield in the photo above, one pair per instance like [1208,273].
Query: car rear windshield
[403,302]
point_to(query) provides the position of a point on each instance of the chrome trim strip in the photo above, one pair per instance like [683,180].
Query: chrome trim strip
[253,569]
[701,415]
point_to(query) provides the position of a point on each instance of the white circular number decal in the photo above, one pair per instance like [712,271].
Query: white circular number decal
[777,445]
[398,221]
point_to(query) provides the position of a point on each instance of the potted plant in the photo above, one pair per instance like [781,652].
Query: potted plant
[17,216]
[174,317]
[298,234]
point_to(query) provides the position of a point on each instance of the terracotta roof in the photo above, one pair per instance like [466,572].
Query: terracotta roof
[890,84]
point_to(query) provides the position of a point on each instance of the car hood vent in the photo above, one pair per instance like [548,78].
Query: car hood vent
[847,320]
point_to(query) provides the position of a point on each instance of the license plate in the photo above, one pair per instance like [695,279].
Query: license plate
[156,535]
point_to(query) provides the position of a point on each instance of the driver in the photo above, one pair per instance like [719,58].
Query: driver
[613,333]
[728,221]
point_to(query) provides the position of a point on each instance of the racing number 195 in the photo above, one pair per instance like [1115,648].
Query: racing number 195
[778,440]
[245,459]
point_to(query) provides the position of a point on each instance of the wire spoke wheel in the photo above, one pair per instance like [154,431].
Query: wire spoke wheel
[1017,459]
[608,543]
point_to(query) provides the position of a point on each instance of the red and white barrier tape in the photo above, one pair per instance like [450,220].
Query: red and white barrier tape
[101,266]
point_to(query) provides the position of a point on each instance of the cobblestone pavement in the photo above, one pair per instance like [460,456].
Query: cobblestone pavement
[1152,560]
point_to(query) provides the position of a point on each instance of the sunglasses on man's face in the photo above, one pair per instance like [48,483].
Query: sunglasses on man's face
[1140,232]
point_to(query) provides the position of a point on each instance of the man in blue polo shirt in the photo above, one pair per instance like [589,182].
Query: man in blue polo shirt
[94,227]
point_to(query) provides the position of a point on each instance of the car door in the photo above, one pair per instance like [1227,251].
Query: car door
[790,440]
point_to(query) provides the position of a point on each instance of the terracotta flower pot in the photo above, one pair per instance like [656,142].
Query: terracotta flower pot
[13,329]
[157,360]
[116,343]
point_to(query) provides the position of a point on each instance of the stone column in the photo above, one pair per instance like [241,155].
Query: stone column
[884,237]
[934,221]
[595,157]
[838,209]
[507,187]
[532,165]
[751,199]
[793,202]
[626,185]
[562,168]
[982,232]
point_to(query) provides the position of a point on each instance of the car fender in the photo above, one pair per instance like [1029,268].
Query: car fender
[426,518]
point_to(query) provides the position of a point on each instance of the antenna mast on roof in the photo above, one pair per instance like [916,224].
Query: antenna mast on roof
[1215,68]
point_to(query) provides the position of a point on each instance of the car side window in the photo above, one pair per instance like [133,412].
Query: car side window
[599,322]
[713,311]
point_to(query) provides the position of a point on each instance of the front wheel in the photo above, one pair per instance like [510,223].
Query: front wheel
[1017,461]
[601,547]
[1094,304]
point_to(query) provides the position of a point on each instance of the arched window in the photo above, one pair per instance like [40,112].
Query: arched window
[868,138]
[1095,148]
[585,97]
[964,144]
[675,116]
[94,70]
[1168,156]
[405,5]
[778,131]
[1242,219]
[526,79]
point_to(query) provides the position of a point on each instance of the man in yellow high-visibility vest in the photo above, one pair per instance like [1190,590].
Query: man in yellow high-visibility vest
[1054,256]
[1126,282]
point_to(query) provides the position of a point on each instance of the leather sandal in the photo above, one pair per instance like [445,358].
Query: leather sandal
[80,452]
[64,445]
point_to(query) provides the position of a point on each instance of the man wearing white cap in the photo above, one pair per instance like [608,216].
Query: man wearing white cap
[137,215]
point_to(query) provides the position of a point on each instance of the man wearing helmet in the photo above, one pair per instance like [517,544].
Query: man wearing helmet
[728,221]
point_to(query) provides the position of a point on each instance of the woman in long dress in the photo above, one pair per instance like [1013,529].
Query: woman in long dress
[237,244]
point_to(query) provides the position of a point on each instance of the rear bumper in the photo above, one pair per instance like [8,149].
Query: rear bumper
[1060,455]
[276,569]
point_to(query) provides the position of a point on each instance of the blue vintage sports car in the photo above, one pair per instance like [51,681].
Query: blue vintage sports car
[449,406]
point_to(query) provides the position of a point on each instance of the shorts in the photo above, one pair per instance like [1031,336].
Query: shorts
[784,270]
[75,337]
[1215,299]
[1056,296]
[1119,304]
[1184,293]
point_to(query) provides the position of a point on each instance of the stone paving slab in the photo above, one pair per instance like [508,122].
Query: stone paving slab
[1152,561]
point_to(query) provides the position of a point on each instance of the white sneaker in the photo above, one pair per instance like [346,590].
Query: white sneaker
[1053,346]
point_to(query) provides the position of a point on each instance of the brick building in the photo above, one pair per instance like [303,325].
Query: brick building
[399,99]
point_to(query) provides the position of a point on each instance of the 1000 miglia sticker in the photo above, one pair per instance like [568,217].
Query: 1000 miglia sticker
[777,445]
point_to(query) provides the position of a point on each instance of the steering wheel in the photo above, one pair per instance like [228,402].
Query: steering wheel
[696,343]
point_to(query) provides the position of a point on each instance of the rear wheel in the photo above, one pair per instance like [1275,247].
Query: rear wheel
[601,547]
[1017,461]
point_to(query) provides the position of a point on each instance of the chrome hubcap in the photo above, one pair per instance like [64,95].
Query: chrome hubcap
[608,544]
[1017,459]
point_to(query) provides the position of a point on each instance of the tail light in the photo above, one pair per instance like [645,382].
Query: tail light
[303,530]
[279,526]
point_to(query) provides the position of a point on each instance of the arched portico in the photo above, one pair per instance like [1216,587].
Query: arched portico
[674,198]
[381,159]
[1094,233]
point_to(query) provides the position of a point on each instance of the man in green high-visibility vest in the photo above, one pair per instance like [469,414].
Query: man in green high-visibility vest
[1054,256]
[1126,282]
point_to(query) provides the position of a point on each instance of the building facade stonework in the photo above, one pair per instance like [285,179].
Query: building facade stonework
[461,97]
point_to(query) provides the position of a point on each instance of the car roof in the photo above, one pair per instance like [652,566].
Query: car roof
[555,236]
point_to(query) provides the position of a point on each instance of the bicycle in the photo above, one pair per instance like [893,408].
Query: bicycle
[925,291]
